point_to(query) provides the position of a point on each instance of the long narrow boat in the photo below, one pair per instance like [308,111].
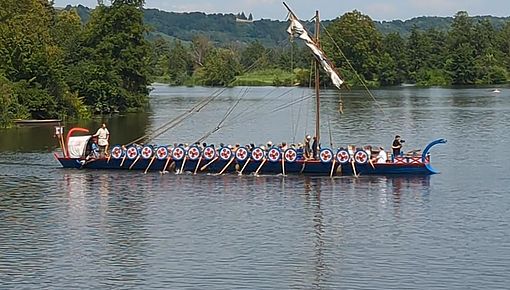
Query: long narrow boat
[243,160]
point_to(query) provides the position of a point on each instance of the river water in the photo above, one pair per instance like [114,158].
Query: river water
[72,229]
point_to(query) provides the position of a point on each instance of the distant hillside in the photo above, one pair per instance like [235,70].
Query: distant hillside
[223,28]
[429,22]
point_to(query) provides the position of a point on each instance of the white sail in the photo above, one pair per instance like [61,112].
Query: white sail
[296,29]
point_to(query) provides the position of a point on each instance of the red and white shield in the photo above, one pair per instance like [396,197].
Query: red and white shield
[161,153]
[257,154]
[361,157]
[146,152]
[131,152]
[225,153]
[178,153]
[194,153]
[290,155]
[116,152]
[241,154]
[326,155]
[342,156]
[274,154]
[209,153]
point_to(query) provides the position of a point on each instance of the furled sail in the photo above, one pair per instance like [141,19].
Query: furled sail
[296,29]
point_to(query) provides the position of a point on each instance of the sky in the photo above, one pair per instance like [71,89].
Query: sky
[329,9]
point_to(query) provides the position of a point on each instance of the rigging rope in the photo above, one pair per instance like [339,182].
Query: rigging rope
[354,70]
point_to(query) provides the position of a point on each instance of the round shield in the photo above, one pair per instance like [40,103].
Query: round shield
[274,154]
[361,157]
[194,153]
[178,153]
[132,152]
[225,153]
[257,154]
[146,152]
[326,155]
[209,153]
[290,155]
[117,152]
[161,153]
[241,154]
[342,156]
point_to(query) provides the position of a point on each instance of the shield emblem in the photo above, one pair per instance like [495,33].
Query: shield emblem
[209,153]
[241,154]
[161,153]
[225,153]
[117,152]
[326,155]
[342,156]
[361,157]
[257,154]
[146,152]
[194,153]
[274,154]
[178,153]
[290,155]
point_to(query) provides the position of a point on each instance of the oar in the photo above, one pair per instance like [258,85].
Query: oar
[226,166]
[283,166]
[166,164]
[371,163]
[332,168]
[260,166]
[354,168]
[244,166]
[150,163]
[303,167]
[205,166]
[198,164]
[108,159]
[123,159]
[136,160]
[182,165]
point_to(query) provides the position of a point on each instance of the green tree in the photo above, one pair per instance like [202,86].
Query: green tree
[255,55]
[461,59]
[393,65]
[180,63]
[220,68]
[360,41]
[112,68]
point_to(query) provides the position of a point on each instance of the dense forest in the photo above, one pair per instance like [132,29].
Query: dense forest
[53,66]
[470,52]
[75,62]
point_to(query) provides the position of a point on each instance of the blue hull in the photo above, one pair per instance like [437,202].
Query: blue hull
[310,167]
[268,168]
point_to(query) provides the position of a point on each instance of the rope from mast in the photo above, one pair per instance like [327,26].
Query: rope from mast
[354,71]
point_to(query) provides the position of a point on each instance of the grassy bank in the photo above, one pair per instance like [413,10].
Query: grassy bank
[267,77]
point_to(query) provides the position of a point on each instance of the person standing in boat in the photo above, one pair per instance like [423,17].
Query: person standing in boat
[315,148]
[103,136]
[307,154]
[397,146]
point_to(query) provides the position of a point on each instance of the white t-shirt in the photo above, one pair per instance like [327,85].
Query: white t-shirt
[102,135]
[382,157]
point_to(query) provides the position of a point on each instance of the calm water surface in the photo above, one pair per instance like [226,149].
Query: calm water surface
[70,229]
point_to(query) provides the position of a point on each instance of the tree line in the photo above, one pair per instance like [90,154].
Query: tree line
[53,66]
[469,53]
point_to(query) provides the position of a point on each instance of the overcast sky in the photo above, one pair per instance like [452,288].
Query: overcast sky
[329,9]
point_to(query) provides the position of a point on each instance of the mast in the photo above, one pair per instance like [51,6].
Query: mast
[317,82]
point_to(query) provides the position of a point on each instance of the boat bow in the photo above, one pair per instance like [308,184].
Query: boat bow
[426,153]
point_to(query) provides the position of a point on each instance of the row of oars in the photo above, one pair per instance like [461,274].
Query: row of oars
[264,160]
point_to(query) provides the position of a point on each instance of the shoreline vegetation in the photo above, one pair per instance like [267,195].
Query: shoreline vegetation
[55,64]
